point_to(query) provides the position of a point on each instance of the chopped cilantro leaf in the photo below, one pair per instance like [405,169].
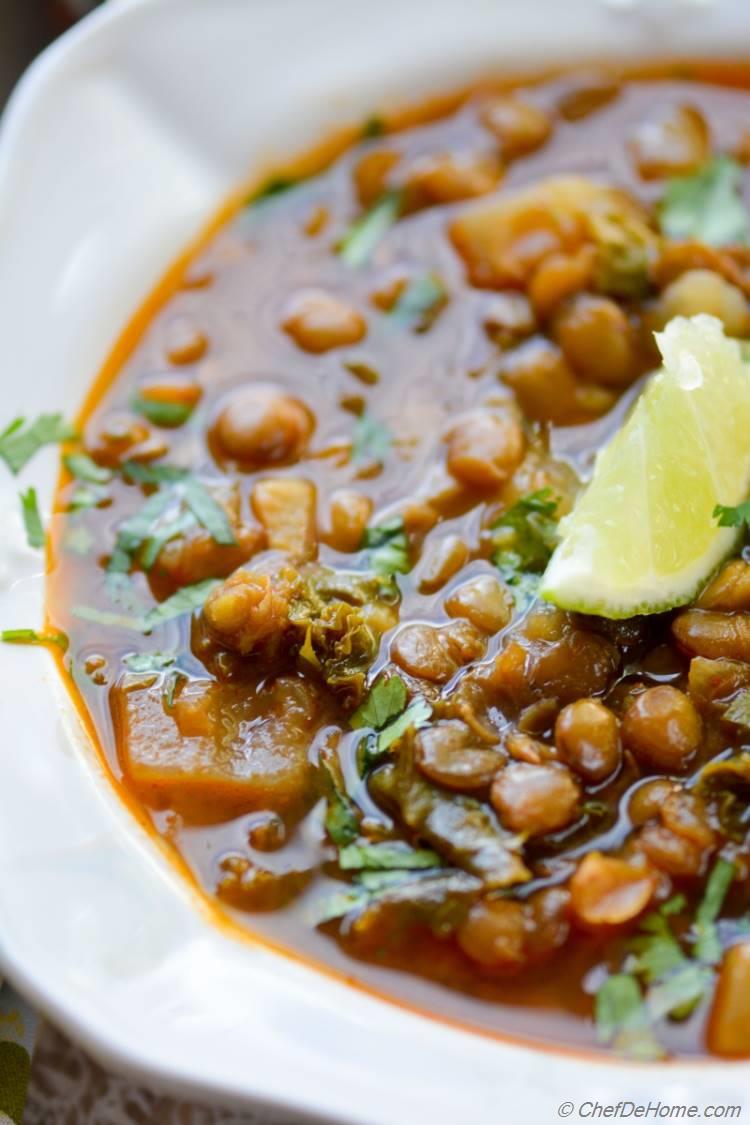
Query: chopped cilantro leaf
[439,897]
[386,700]
[88,496]
[170,529]
[524,538]
[339,905]
[664,981]
[388,856]
[149,661]
[420,302]
[342,822]
[137,473]
[83,467]
[173,679]
[121,591]
[342,816]
[275,185]
[622,1019]
[164,517]
[415,717]
[359,243]
[679,993]
[375,881]
[186,600]
[388,546]
[655,951]
[385,710]
[707,947]
[20,441]
[32,637]
[137,529]
[168,415]
[32,520]
[371,440]
[706,205]
[78,541]
[737,516]
[208,513]
[619,1006]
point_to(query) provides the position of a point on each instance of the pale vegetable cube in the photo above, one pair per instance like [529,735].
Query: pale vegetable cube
[286,508]
[218,750]
[504,239]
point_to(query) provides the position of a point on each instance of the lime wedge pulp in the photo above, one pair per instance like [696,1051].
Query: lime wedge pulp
[642,537]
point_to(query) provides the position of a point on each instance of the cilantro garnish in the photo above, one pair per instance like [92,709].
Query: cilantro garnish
[78,541]
[438,897]
[732,516]
[392,855]
[207,512]
[655,952]
[149,661]
[385,710]
[664,976]
[342,816]
[93,491]
[524,538]
[21,440]
[415,717]
[88,496]
[186,600]
[706,205]
[173,679]
[168,513]
[32,520]
[388,546]
[83,467]
[371,440]
[179,524]
[275,185]
[32,637]
[420,302]
[137,473]
[358,244]
[168,415]
[386,700]
[706,946]
[622,1020]
[135,531]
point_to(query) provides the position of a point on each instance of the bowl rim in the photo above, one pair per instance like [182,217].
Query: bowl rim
[111,1049]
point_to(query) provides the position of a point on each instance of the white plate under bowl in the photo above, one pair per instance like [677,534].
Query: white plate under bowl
[119,144]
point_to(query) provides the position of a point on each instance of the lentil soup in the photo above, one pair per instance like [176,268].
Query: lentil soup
[303,530]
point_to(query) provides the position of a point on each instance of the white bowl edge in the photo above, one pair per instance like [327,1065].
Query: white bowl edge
[111,159]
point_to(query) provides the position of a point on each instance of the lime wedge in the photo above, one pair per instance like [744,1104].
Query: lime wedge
[642,537]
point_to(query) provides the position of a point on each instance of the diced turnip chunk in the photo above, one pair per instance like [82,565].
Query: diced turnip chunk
[286,508]
[502,240]
[219,749]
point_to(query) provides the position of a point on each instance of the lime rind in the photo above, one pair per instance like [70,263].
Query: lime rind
[642,538]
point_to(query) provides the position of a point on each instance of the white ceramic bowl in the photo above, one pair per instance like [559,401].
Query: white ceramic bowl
[121,141]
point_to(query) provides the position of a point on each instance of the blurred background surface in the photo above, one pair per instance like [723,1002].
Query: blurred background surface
[26,26]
